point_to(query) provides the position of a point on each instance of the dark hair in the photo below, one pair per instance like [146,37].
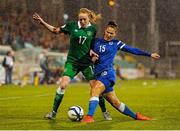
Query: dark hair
[112,24]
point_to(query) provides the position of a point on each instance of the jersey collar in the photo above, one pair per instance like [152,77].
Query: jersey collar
[79,25]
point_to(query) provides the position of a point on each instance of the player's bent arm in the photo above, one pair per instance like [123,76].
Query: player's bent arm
[51,28]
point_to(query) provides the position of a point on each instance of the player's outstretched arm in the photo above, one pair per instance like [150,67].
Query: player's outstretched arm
[137,51]
[51,28]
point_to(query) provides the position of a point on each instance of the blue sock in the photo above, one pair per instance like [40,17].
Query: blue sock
[93,103]
[125,110]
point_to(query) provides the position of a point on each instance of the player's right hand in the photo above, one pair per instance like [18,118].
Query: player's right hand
[37,18]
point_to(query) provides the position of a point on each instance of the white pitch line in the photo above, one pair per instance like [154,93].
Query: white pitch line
[20,97]
[9,98]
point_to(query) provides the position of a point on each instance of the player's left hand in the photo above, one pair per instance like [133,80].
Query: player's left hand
[155,56]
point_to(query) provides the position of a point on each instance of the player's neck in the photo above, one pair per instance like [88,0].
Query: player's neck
[106,39]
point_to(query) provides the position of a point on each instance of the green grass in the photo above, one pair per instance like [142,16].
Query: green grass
[23,108]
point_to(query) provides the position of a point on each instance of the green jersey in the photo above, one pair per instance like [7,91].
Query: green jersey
[80,42]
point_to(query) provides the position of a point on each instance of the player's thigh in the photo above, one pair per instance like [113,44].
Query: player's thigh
[97,88]
[88,73]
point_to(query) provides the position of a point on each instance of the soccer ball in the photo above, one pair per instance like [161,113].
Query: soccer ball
[75,113]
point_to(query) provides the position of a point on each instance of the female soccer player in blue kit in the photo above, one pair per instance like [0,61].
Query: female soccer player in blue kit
[106,48]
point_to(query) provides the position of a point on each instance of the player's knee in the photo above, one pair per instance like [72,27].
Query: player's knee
[95,91]
[115,103]
[63,84]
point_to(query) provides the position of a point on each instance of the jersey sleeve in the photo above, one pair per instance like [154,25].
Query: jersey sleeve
[66,28]
[135,51]
[120,44]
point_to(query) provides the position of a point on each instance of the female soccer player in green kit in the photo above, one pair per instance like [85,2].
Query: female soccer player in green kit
[81,34]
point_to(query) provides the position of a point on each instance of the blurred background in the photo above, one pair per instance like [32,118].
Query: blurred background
[152,25]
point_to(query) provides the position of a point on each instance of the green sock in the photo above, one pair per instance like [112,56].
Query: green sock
[57,101]
[102,104]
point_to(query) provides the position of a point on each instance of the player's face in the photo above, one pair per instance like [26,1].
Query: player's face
[83,19]
[109,33]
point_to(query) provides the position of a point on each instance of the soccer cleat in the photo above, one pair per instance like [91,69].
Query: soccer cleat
[107,116]
[139,116]
[87,119]
[50,115]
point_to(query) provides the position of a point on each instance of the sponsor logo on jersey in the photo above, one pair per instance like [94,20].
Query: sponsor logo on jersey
[111,43]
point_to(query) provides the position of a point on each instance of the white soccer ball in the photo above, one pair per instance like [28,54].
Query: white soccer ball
[75,113]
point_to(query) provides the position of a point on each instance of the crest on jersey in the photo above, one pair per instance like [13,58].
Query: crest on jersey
[75,30]
[89,33]
[111,43]
[104,73]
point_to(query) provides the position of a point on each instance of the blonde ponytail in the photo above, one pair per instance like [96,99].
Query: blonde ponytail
[93,17]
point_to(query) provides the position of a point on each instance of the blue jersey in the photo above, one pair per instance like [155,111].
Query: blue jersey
[107,51]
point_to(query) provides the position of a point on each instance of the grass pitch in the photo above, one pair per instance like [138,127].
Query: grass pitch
[23,108]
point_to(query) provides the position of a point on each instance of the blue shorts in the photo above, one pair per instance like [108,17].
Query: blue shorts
[108,78]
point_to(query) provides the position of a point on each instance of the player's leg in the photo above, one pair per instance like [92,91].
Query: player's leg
[96,90]
[89,75]
[102,105]
[121,107]
[69,73]
[64,82]
[108,79]
[58,96]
